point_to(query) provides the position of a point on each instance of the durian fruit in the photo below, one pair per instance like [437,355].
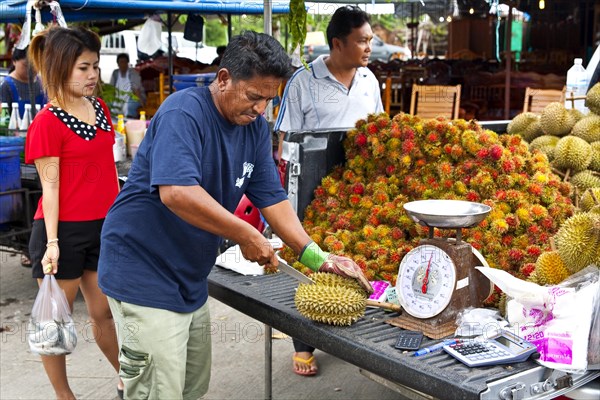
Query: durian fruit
[578,241]
[328,279]
[589,199]
[527,125]
[587,128]
[334,305]
[556,120]
[585,180]
[572,153]
[546,144]
[595,163]
[595,210]
[549,269]
[592,100]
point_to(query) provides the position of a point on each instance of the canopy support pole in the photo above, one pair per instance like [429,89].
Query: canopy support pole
[508,60]
[170,58]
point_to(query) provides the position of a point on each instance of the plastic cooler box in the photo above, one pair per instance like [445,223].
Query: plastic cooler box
[11,205]
[183,81]
[310,156]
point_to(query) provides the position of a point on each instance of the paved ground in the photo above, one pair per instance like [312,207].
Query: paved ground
[238,356]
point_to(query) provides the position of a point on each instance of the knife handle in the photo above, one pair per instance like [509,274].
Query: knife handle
[387,306]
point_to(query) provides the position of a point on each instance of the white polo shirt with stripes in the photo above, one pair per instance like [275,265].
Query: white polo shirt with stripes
[315,99]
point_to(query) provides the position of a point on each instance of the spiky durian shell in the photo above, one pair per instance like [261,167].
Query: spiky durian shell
[556,120]
[502,304]
[546,144]
[587,200]
[588,129]
[526,125]
[595,163]
[592,100]
[585,180]
[328,279]
[332,305]
[572,153]
[595,210]
[549,269]
[578,241]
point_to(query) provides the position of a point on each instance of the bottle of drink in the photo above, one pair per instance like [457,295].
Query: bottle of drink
[142,115]
[576,86]
[122,135]
[13,124]
[25,121]
[4,119]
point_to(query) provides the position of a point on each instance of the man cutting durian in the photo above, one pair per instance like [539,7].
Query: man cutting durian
[204,149]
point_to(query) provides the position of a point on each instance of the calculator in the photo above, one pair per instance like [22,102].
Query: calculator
[409,340]
[504,348]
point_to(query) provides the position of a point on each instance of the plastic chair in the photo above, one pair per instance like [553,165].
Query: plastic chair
[537,99]
[433,101]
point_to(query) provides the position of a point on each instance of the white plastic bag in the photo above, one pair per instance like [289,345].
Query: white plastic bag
[149,41]
[51,330]
[557,319]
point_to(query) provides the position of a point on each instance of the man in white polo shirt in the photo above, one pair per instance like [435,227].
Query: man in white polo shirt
[335,92]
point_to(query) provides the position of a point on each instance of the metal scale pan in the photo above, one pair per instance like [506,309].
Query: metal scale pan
[447,214]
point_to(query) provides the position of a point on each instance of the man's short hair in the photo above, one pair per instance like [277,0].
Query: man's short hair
[343,21]
[19,54]
[253,54]
[122,55]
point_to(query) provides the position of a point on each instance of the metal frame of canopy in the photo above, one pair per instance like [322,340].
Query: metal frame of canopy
[14,10]
[88,10]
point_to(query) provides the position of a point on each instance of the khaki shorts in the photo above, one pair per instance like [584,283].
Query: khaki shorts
[164,355]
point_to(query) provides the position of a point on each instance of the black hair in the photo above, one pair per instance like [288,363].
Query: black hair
[19,54]
[250,54]
[221,50]
[123,55]
[342,22]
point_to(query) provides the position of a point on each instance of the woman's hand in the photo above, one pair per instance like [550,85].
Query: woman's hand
[50,259]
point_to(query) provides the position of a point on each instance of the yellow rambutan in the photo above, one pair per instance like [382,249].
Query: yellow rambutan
[499,226]
[368,232]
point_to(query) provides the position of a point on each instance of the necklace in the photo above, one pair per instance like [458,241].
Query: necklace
[84,111]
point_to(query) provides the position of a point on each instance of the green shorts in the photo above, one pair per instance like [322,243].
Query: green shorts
[163,354]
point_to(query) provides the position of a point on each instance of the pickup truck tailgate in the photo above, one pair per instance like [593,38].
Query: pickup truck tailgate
[369,344]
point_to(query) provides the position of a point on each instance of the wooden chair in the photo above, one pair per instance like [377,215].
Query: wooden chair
[392,95]
[537,99]
[433,101]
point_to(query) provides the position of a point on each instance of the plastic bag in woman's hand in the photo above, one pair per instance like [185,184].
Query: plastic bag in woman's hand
[51,330]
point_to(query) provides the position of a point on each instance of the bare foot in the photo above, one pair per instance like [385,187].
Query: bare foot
[305,363]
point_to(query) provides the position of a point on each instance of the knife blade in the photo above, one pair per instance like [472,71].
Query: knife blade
[293,272]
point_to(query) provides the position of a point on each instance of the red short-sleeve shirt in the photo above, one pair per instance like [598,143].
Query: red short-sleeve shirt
[88,176]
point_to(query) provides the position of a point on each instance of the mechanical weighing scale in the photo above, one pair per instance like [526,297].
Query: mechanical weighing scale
[437,279]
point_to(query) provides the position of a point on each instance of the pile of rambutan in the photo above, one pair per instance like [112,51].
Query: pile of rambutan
[358,208]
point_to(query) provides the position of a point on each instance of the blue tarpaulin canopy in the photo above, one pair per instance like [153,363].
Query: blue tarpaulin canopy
[85,10]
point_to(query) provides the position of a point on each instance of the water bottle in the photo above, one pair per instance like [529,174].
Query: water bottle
[4,120]
[121,138]
[13,124]
[25,121]
[576,86]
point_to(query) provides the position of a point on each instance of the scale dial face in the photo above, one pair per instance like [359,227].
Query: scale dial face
[426,281]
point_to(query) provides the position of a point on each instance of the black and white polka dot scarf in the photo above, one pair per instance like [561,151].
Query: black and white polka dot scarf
[81,128]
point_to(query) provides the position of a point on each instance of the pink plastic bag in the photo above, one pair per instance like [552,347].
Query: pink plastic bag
[51,329]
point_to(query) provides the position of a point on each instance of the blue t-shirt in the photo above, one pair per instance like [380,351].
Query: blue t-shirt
[151,257]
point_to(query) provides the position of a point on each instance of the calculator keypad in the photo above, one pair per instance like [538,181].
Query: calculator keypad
[476,352]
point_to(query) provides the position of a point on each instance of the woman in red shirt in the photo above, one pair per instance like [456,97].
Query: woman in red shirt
[70,141]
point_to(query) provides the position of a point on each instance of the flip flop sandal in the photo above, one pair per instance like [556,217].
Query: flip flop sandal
[306,362]
[25,261]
